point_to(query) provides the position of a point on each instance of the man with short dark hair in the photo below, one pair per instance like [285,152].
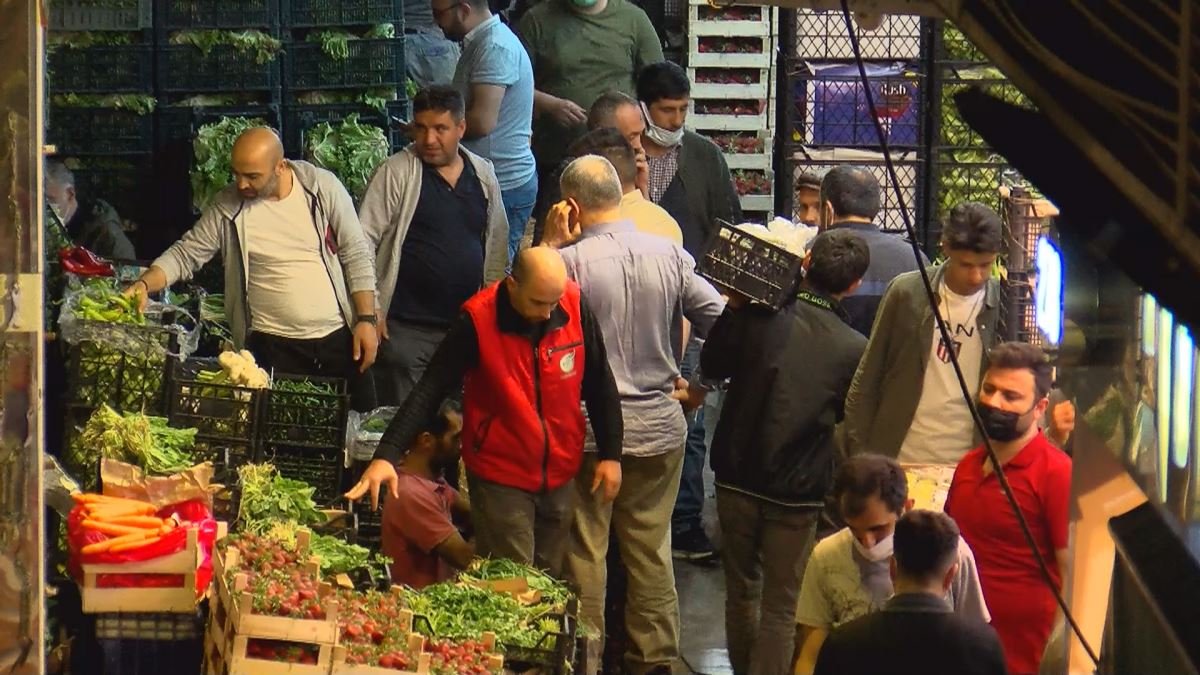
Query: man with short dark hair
[850,199]
[434,215]
[1012,398]
[916,631]
[848,573]
[639,286]
[808,199]
[773,452]
[496,80]
[906,401]
[645,215]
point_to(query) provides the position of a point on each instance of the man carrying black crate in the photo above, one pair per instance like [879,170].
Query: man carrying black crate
[529,352]
[774,451]
[299,276]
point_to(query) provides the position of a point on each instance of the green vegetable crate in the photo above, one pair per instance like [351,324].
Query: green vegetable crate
[100,69]
[300,119]
[321,13]
[90,15]
[216,14]
[99,373]
[305,412]
[223,413]
[320,468]
[100,131]
[184,68]
[367,63]
[556,652]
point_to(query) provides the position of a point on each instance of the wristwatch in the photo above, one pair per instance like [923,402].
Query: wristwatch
[367,318]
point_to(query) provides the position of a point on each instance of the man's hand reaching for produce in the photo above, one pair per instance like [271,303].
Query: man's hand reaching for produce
[608,474]
[138,289]
[366,345]
[382,472]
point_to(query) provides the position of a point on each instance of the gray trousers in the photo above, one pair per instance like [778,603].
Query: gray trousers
[764,546]
[402,360]
[528,527]
[640,519]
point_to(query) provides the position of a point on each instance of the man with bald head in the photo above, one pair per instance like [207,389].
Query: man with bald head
[299,276]
[639,286]
[528,352]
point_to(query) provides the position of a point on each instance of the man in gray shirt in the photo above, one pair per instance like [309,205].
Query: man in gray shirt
[429,58]
[639,286]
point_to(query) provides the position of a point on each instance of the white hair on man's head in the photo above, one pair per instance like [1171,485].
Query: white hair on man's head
[591,181]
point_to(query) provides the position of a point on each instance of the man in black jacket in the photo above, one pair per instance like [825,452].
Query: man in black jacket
[916,632]
[773,451]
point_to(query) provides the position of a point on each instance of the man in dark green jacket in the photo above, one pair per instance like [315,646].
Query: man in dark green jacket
[91,223]
[905,401]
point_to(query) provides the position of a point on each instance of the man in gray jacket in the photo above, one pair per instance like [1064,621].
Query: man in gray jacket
[436,222]
[299,279]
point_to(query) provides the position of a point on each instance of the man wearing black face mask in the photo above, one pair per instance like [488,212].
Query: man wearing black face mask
[1012,398]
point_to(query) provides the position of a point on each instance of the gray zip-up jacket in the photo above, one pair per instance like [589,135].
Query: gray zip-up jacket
[886,389]
[222,229]
[390,202]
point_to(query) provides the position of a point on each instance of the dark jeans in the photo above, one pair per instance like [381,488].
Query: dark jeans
[765,548]
[329,356]
[529,527]
[689,504]
[403,358]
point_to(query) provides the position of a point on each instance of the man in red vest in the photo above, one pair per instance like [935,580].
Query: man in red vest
[528,352]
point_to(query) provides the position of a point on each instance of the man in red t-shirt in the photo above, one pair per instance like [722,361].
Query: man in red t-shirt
[419,532]
[1012,398]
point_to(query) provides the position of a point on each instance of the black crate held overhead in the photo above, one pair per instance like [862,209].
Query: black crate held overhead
[218,412]
[124,69]
[830,107]
[761,271]
[218,15]
[103,15]
[320,468]
[300,119]
[909,171]
[186,69]
[371,63]
[100,131]
[299,418]
[319,13]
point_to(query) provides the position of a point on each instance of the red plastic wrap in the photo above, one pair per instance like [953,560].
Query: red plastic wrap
[192,513]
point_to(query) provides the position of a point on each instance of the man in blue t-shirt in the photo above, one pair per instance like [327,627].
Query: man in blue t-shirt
[495,77]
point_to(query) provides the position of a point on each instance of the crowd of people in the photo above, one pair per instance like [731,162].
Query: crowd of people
[521,282]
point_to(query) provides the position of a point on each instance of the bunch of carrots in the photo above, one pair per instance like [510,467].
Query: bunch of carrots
[130,524]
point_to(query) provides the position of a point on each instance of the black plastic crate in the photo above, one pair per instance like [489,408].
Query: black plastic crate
[90,15]
[121,182]
[755,268]
[313,13]
[218,14]
[179,124]
[299,119]
[221,412]
[371,63]
[227,457]
[369,523]
[127,69]
[830,108]
[305,420]
[100,374]
[321,468]
[184,68]
[556,652]
[100,131]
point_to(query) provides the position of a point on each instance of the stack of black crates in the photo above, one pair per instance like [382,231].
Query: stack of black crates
[825,119]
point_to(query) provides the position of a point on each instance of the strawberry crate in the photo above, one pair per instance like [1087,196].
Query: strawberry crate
[177,569]
[308,412]
[757,203]
[744,149]
[731,83]
[106,15]
[721,51]
[729,114]
[704,19]
[265,656]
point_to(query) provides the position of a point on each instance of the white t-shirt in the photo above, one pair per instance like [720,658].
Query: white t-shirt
[942,430]
[840,585]
[289,289]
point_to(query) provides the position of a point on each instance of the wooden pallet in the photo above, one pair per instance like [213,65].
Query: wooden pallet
[181,598]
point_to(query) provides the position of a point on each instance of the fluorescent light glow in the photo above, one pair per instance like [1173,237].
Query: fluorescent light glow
[1149,317]
[1049,290]
[1163,336]
[1181,396]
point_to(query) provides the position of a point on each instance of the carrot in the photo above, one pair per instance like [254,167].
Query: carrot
[131,545]
[107,544]
[110,529]
[108,514]
[143,522]
[92,498]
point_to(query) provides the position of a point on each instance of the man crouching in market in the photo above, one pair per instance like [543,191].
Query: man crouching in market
[299,275]
[528,351]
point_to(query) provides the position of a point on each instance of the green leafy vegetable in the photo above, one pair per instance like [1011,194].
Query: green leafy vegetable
[138,439]
[554,592]
[350,150]
[336,43]
[211,168]
[269,499]
[464,611]
[140,104]
[377,97]
[84,40]
[263,47]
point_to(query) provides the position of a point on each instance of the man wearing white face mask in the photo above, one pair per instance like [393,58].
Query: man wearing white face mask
[848,574]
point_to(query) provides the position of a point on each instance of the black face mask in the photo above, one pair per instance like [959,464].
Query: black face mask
[1001,425]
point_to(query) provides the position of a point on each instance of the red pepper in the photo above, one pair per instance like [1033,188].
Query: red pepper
[82,262]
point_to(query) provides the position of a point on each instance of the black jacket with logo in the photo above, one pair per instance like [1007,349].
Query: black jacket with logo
[789,373]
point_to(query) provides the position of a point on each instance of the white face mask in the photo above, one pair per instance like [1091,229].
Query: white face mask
[660,136]
[882,550]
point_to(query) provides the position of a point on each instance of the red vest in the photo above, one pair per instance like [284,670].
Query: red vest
[522,422]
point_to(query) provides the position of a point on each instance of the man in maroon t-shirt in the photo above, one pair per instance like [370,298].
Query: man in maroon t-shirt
[419,530]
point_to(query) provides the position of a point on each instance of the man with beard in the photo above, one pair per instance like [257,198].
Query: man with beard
[1012,398]
[434,215]
[419,531]
[299,280]
[495,77]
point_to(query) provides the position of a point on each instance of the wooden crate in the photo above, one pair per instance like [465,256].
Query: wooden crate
[763,57]
[761,161]
[416,643]
[237,662]
[757,203]
[182,598]
[243,623]
[758,90]
[757,26]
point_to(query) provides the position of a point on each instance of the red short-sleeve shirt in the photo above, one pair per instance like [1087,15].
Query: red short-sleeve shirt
[1022,607]
[413,527]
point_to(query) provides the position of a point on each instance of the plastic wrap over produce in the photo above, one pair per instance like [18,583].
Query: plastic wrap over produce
[96,311]
[364,431]
[782,233]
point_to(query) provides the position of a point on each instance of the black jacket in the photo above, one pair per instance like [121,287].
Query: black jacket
[914,634]
[790,372]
